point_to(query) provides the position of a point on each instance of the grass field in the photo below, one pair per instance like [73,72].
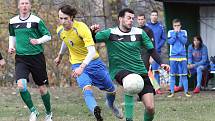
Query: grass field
[68,105]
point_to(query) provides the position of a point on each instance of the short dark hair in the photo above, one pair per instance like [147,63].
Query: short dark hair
[28,0]
[198,38]
[176,21]
[68,10]
[123,11]
[142,14]
[154,11]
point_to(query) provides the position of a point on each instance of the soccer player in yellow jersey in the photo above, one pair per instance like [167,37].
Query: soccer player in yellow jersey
[87,67]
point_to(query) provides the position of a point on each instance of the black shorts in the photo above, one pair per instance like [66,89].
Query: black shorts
[34,64]
[148,88]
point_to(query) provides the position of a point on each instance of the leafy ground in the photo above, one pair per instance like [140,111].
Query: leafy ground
[68,105]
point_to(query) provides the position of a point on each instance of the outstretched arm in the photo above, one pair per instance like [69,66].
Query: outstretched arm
[91,53]
[60,54]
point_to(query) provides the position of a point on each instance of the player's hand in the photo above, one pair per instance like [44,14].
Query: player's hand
[11,50]
[57,60]
[2,62]
[190,66]
[95,28]
[34,41]
[77,72]
[166,67]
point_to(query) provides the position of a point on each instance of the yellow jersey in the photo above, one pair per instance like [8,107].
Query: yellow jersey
[77,40]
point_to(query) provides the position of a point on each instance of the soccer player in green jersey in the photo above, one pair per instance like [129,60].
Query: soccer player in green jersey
[124,45]
[27,33]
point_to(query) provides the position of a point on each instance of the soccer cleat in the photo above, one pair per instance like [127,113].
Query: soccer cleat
[178,89]
[196,90]
[33,116]
[187,94]
[171,95]
[117,112]
[97,113]
[48,117]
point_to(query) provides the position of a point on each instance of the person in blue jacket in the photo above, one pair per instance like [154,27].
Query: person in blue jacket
[159,38]
[197,60]
[177,39]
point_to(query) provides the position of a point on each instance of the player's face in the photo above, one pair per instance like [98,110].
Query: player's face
[24,6]
[141,20]
[154,17]
[126,22]
[65,20]
[177,26]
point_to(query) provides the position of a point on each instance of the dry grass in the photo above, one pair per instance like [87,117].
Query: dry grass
[68,105]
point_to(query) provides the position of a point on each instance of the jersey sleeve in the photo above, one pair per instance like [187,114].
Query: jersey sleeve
[43,29]
[11,30]
[103,36]
[146,41]
[85,33]
[59,31]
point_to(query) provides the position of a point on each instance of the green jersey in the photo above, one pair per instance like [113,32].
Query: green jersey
[124,49]
[23,30]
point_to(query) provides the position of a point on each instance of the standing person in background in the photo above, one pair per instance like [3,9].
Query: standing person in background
[87,67]
[27,34]
[141,20]
[159,38]
[2,61]
[197,60]
[177,39]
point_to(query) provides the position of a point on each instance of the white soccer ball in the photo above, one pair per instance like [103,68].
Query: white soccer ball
[133,84]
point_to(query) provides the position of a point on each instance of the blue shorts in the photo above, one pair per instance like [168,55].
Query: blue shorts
[178,67]
[96,74]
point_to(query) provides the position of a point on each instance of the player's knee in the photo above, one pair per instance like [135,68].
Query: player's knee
[22,85]
[43,89]
[150,109]
[111,89]
[87,91]
[87,87]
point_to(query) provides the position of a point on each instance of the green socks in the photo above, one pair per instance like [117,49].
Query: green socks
[46,102]
[129,106]
[26,97]
[148,116]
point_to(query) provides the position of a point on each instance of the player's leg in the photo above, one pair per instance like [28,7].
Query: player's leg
[173,72]
[200,70]
[22,73]
[39,74]
[147,96]
[183,75]
[85,83]
[103,82]
[128,99]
